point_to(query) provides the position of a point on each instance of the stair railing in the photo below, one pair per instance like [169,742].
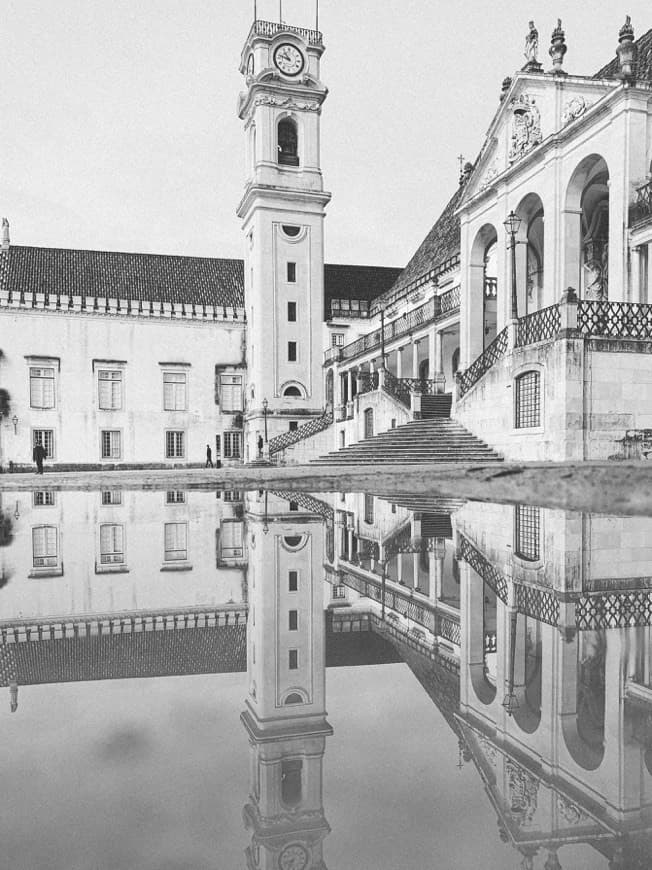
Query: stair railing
[286,439]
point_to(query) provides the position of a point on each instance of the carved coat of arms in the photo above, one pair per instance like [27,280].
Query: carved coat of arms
[526,126]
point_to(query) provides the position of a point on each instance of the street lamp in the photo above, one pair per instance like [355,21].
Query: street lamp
[265,404]
[511,225]
[510,701]
[14,420]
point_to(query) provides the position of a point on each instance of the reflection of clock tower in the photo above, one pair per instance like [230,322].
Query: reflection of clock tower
[282,213]
[285,716]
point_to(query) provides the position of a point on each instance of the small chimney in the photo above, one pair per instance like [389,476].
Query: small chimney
[5,235]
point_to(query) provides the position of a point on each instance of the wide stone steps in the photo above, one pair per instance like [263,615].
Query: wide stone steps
[436,406]
[431,440]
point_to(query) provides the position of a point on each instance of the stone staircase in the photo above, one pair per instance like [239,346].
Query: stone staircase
[435,439]
[438,405]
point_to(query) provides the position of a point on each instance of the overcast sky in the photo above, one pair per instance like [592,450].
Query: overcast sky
[118,127]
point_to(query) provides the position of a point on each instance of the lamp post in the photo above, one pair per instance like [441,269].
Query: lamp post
[511,225]
[265,404]
[510,701]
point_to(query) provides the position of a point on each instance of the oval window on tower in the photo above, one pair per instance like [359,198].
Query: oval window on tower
[292,232]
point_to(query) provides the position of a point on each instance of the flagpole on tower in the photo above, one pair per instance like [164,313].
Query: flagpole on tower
[255,11]
[316,14]
[280,11]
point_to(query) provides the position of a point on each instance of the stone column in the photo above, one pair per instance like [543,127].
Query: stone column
[415,358]
[432,351]
[438,376]
[349,376]
[399,362]
[634,294]
[571,233]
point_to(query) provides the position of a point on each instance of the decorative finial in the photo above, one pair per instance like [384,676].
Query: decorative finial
[558,49]
[5,234]
[625,50]
[531,49]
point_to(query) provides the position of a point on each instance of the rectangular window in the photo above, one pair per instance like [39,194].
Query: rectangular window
[175,446]
[110,389]
[528,400]
[292,312]
[43,498]
[231,392]
[292,351]
[174,391]
[176,542]
[527,520]
[111,444]
[292,273]
[41,387]
[339,591]
[111,496]
[337,339]
[293,426]
[44,437]
[294,506]
[112,551]
[175,496]
[231,540]
[293,620]
[232,495]
[293,581]
[293,659]
[233,445]
[45,552]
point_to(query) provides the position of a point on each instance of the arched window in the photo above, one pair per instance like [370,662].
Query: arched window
[293,698]
[288,143]
[455,363]
[527,410]
[292,391]
[490,291]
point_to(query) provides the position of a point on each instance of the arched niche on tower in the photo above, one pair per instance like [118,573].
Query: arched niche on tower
[287,140]
[583,659]
[586,230]
[483,649]
[528,673]
[530,255]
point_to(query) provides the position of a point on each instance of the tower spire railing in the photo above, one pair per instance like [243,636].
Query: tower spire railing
[271,28]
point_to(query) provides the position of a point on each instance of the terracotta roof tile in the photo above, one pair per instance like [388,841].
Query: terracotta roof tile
[156,277]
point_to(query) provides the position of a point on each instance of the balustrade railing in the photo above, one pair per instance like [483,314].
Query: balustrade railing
[542,325]
[450,301]
[397,387]
[271,28]
[27,299]
[614,319]
[286,439]
[496,350]
[642,208]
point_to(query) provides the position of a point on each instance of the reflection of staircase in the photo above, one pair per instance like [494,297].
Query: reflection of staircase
[435,439]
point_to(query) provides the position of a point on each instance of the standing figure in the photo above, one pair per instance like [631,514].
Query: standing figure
[531,44]
[209,457]
[38,455]
[260,445]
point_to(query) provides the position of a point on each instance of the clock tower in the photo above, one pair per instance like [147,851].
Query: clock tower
[285,715]
[282,213]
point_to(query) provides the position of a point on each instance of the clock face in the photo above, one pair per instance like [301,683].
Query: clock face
[288,59]
[293,857]
[250,65]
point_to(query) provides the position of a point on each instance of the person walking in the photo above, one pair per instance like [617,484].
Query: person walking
[209,457]
[38,455]
[260,445]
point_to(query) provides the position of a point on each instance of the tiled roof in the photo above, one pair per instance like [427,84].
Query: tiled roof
[162,277]
[357,282]
[441,244]
[150,277]
[642,61]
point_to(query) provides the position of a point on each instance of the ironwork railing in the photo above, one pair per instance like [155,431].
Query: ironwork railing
[642,208]
[540,604]
[367,381]
[401,602]
[542,325]
[309,502]
[271,28]
[494,578]
[401,326]
[614,319]
[450,300]
[397,388]
[448,628]
[286,439]
[614,610]
[483,363]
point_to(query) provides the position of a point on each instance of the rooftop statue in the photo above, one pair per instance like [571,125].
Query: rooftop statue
[531,44]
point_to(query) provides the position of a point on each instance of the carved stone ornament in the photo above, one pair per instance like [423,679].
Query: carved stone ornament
[570,812]
[526,126]
[489,750]
[286,103]
[574,109]
[523,790]
[490,174]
